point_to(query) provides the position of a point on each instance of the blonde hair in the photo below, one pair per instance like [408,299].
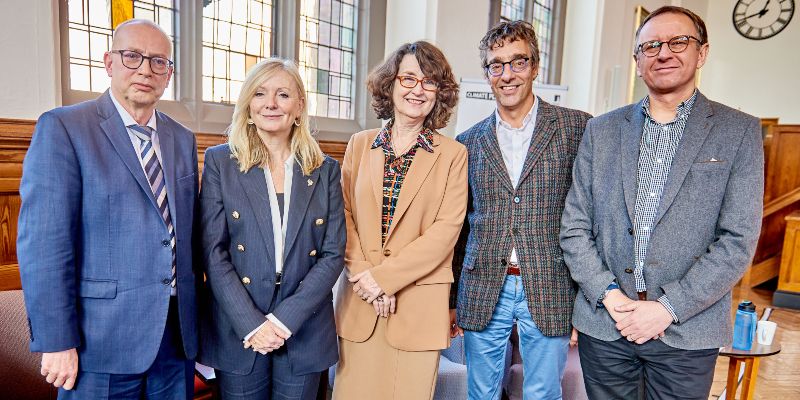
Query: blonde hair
[245,144]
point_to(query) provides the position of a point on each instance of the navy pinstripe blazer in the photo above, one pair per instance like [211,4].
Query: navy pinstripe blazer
[495,222]
[239,259]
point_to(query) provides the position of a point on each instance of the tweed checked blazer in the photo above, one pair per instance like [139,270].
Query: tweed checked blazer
[527,218]
[704,234]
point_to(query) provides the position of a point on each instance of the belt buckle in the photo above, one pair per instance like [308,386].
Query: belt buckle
[513,269]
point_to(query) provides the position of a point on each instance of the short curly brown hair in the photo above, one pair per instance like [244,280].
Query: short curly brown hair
[434,65]
[506,32]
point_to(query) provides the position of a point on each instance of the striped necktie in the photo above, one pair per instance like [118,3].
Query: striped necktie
[155,176]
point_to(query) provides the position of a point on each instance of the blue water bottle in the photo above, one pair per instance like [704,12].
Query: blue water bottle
[744,329]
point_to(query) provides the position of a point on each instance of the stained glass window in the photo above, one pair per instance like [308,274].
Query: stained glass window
[237,34]
[91,26]
[512,10]
[543,25]
[327,55]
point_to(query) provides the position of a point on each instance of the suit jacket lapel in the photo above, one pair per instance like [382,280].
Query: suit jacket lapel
[254,187]
[376,161]
[420,168]
[630,138]
[166,142]
[697,128]
[116,132]
[543,132]
[300,198]
[491,150]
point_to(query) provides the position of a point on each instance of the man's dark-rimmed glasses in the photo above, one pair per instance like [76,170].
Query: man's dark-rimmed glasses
[133,60]
[676,45]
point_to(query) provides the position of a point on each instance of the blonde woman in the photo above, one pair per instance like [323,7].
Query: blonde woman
[273,238]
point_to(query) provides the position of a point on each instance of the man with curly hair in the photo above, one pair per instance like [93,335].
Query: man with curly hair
[509,260]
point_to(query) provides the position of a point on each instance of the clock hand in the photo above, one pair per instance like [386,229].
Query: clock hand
[759,13]
[764,10]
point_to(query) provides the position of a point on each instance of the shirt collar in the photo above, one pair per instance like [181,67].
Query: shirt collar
[525,121]
[289,161]
[384,138]
[683,110]
[127,118]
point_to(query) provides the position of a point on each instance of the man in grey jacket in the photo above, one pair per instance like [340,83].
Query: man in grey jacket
[661,221]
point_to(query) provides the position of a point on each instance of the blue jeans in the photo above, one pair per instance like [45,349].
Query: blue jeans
[543,357]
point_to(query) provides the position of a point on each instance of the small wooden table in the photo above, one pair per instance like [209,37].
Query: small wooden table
[750,358]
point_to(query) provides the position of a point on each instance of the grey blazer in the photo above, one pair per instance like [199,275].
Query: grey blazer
[706,226]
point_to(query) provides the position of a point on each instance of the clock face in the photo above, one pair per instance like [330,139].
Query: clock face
[762,19]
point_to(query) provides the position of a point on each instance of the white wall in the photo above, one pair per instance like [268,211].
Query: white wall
[760,77]
[409,21]
[30,70]
[580,61]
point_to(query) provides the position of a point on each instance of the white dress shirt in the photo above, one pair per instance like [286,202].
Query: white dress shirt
[278,227]
[514,145]
[128,120]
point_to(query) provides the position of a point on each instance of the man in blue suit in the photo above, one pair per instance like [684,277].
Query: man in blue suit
[109,190]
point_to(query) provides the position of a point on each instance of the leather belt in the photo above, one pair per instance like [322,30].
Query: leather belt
[642,295]
[513,269]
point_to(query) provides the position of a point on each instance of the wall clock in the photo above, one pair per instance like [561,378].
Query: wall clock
[762,19]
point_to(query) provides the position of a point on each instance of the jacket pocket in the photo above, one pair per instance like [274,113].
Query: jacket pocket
[439,275]
[188,179]
[98,289]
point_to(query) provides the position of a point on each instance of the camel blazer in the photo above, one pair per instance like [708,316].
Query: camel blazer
[415,262]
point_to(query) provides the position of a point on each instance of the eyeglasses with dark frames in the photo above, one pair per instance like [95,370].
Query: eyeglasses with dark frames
[678,44]
[517,65]
[133,60]
[410,82]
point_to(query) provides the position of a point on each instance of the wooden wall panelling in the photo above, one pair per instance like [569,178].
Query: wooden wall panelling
[15,137]
[788,293]
[790,262]
[768,131]
[14,140]
[781,185]
[783,174]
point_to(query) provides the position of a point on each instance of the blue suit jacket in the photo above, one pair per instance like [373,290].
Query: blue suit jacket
[235,212]
[91,240]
